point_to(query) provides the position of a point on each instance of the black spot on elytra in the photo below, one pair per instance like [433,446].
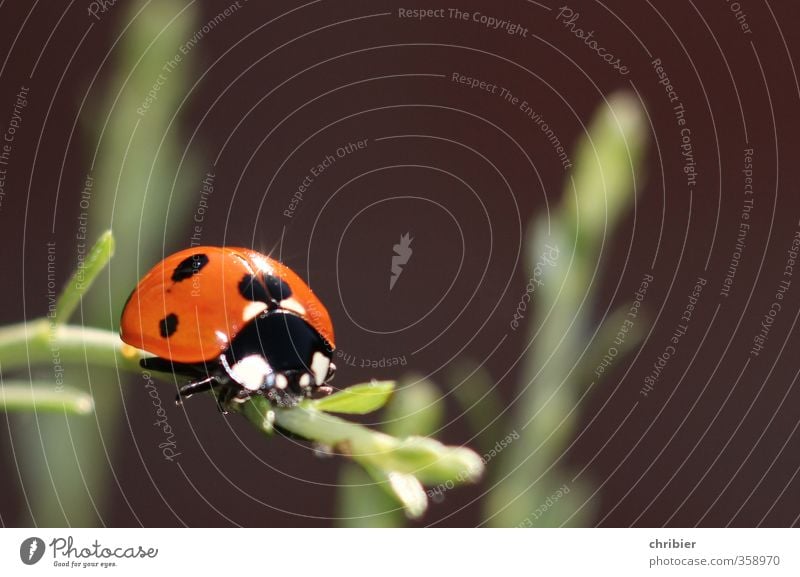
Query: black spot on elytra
[277,287]
[252,290]
[168,325]
[189,266]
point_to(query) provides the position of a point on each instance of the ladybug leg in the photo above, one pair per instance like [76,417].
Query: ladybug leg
[193,388]
[192,370]
[331,373]
[224,398]
[309,388]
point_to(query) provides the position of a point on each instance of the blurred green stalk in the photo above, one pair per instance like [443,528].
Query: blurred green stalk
[67,462]
[415,410]
[22,396]
[600,193]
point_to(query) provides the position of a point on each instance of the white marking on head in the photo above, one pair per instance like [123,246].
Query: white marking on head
[252,310]
[305,380]
[251,372]
[293,305]
[319,366]
[281,381]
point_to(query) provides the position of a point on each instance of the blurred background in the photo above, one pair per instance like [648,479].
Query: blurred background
[601,218]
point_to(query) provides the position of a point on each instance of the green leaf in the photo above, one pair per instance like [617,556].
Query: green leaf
[43,397]
[355,400]
[434,463]
[363,503]
[403,487]
[608,335]
[480,402]
[84,276]
[429,460]
[410,493]
[599,194]
[31,343]
[416,408]
[607,161]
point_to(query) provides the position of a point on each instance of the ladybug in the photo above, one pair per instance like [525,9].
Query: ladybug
[234,321]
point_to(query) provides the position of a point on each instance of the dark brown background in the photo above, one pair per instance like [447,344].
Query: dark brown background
[725,78]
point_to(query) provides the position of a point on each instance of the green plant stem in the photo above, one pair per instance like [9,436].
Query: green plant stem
[426,459]
[356,400]
[22,345]
[362,503]
[21,396]
[406,488]
[142,190]
[600,193]
[84,276]
[399,466]
[41,342]
[364,499]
